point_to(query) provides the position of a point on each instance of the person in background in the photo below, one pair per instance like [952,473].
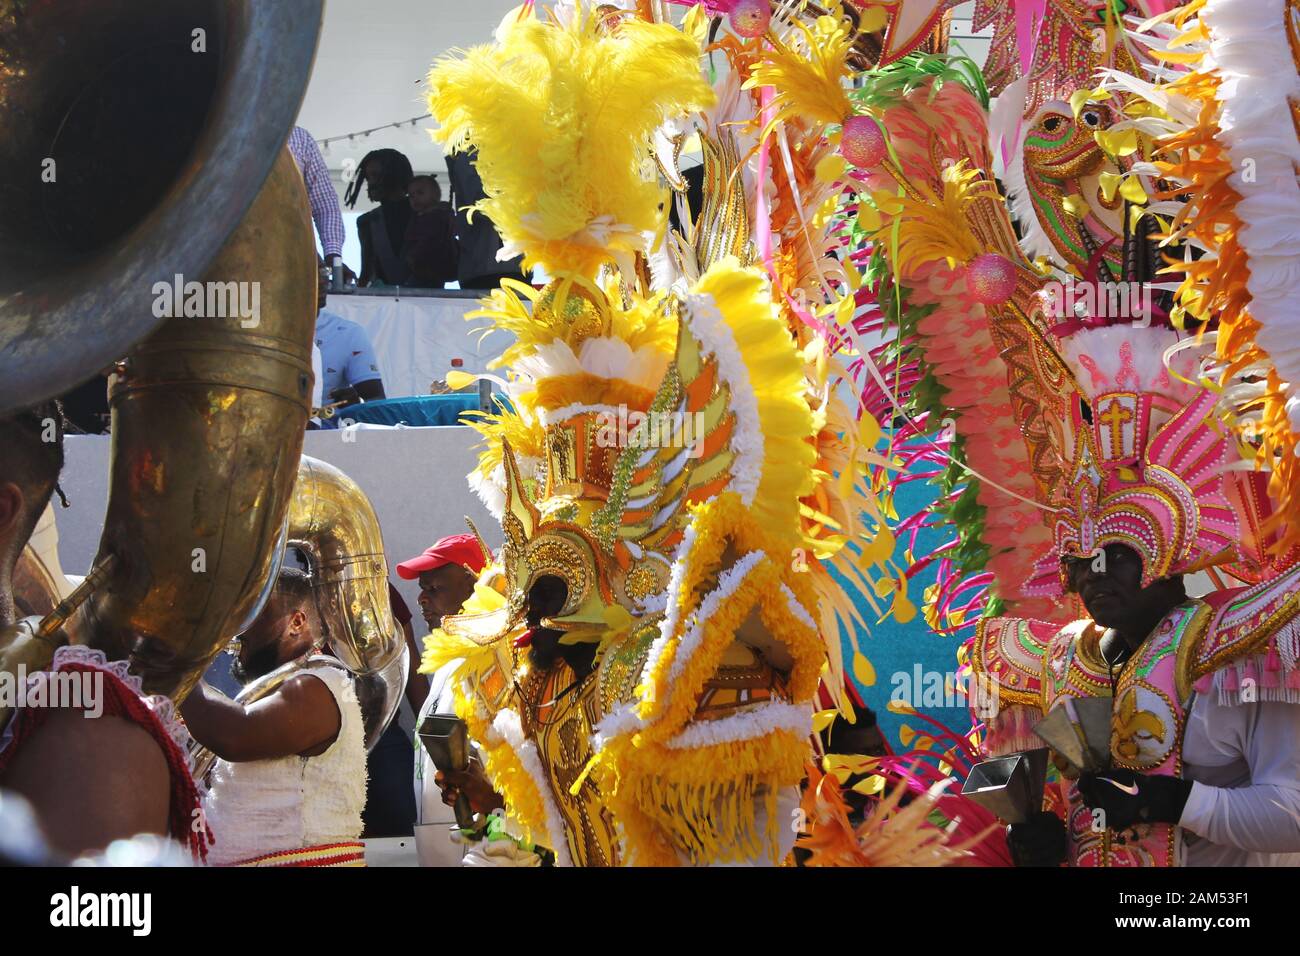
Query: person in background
[446,571]
[325,212]
[349,370]
[390,807]
[288,786]
[430,246]
[386,173]
[477,266]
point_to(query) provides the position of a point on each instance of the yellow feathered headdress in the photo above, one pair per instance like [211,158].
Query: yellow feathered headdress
[562,120]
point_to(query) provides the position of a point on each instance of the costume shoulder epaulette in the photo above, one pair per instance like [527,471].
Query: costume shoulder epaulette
[1008,652]
[1006,663]
[1249,650]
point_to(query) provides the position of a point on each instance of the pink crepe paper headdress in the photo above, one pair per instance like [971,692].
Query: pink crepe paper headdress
[1151,467]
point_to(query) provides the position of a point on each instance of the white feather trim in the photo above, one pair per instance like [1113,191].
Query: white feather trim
[797,609]
[1249,49]
[548,415]
[1035,241]
[603,357]
[491,489]
[1096,352]
[508,725]
[729,581]
[748,725]
[676,601]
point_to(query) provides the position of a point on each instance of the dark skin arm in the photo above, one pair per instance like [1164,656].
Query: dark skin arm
[92,781]
[417,685]
[473,783]
[299,718]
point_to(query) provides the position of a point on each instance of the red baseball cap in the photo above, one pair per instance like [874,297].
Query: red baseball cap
[462,549]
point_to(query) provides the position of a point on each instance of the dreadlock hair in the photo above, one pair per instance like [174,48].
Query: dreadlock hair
[32,440]
[395,171]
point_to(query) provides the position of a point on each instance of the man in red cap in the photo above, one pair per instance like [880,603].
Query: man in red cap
[447,572]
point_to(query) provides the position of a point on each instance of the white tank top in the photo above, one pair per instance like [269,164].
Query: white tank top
[267,806]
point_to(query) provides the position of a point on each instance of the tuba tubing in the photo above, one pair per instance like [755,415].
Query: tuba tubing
[137,133]
[208,416]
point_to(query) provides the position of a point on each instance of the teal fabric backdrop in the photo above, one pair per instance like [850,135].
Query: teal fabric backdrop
[902,653]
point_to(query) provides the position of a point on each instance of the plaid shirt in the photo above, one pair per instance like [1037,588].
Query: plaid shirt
[320,191]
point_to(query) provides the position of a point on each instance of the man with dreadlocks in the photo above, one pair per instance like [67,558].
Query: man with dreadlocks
[386,173]
[90,781]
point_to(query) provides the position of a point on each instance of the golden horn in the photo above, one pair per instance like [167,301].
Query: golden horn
[208,419]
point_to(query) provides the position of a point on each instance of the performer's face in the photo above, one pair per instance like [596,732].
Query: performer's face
[546,598]
[1110,586]
[443,591]
[277,636]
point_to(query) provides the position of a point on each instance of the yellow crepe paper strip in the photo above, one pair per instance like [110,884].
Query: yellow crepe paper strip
[700,803]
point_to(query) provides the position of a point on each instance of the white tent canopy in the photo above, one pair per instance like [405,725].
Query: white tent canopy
[370,69]
[374,56]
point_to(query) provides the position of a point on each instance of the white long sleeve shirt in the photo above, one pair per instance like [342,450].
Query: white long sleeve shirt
[1244,807]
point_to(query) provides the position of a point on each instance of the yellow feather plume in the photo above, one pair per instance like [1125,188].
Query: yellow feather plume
[808,74]
[561,115]
[936,227]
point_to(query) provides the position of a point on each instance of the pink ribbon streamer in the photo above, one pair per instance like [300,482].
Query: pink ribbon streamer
[1029,17]
[762,211]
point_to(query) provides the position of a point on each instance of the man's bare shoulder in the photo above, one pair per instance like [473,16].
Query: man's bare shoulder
[307,688]
[71,738]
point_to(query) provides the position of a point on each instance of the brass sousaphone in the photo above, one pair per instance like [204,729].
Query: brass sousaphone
[144,141]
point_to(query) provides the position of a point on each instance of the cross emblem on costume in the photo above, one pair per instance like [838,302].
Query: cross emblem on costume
[1115,418]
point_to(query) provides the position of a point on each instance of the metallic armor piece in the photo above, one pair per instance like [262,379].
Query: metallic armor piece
[332,522]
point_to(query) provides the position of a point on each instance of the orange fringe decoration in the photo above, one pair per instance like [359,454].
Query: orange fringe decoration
[892,835]
[1216,286]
